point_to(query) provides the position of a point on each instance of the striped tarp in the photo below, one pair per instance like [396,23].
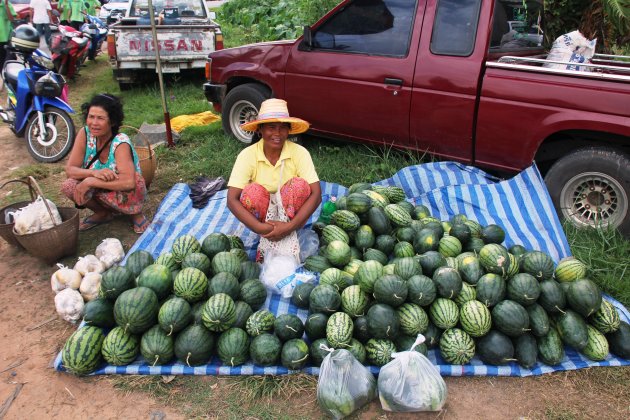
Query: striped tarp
[521,205]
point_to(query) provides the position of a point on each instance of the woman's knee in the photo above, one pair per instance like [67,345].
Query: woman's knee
[68,187]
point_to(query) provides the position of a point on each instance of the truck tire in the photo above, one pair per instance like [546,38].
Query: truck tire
[591,187]
[241,105]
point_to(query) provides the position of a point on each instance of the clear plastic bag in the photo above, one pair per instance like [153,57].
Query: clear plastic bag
[344,384]
[309,243]
[411,382]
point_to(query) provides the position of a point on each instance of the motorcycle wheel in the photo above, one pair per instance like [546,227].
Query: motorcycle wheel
[58,139]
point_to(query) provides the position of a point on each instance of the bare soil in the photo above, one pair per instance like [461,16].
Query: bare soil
[32,335]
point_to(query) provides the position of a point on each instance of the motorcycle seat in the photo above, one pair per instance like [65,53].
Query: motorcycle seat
[12,69]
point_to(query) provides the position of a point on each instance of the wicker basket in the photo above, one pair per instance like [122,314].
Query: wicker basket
[6,229]
[59,241]
[146,155]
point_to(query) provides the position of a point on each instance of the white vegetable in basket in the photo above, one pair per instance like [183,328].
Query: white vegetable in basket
[65,278]
[35,217]
[89,264]
[110,252]
[90,286]
[69,305]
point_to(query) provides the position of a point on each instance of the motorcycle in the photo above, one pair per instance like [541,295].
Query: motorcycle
[36,99]
[69,49]
[97,30]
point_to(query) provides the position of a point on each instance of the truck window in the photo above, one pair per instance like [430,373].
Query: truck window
[374,27]
[455,27]
[516,25]
[171,8]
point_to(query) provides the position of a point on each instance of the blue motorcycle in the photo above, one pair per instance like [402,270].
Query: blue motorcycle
[97,31]
[36,99]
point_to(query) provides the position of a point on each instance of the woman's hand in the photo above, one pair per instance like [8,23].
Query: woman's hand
[81,191]
[105,174]
[280,230]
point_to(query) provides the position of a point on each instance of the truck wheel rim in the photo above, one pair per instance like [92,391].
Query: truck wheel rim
[594,199]
[242,112]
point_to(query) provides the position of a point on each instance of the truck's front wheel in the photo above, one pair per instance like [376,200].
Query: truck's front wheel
[591,187]
[240,106]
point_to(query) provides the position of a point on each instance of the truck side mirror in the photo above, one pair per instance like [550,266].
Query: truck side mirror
[307,39]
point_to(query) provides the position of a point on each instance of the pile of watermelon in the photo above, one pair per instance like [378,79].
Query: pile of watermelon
[390,271]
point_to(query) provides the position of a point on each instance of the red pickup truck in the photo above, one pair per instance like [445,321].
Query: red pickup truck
[464,81]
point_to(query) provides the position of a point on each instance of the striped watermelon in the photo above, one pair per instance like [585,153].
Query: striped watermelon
[495,259]
[345,219]
[523,288]
[184,245]
[475,318]
[420,211]
[569,269]
[316,263]
[227,262]
[214,243]
[352,267]
[253,293]
[194,345]
[240,253]
[490,289]
[444,313]
[359,187]
[156,347]
[219,313]
[397,215]
[136,310]
[413,319]
[378,200]
[224,283]
[158,278]
[167,260]
[449,246]
[421,290]
[403,249]
[475,228]
[190,284]
[81,353]
[249,270]
[606,319]
[358,203]
[334,233]
[467,293]
[357,349]
[233,347]
[115,281]
[597,346]
[339,329]
[338,253]
[138,261]
[174,315]
[324,298]
[395,194]
[456,346]
[538,264]
[260,322]
[379,351]
[243,312]
[334,277]
[119,347]
[197,260]
[448,282]
[364,237]
[367,274]
[354,301]
[376,255]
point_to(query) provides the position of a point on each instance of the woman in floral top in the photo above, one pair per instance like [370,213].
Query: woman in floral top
[103,168]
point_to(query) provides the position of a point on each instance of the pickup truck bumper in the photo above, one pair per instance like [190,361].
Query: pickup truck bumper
[214,93]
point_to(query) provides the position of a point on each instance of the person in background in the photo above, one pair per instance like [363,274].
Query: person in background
[64,9]
[41,17]
[7,14]
[272,162]
[93,4]
[77,7]
[103,169]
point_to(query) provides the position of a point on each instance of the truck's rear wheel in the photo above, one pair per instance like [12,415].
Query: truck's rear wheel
[591,187]
[240,106]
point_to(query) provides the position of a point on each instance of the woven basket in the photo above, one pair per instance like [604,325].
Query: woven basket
[6,229]
[146,155]
[59,241]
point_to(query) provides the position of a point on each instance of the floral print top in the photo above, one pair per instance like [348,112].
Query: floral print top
[90,152]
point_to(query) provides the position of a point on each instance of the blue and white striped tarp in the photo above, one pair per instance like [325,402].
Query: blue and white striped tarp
[521,205]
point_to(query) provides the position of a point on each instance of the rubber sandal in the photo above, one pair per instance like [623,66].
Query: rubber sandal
[141,227]
[87,224]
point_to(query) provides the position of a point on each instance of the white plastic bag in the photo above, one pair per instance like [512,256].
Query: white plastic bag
[275,269]
[410,382]
[110,252]
[35,217]
[344,384]
[573,48]
[309,243]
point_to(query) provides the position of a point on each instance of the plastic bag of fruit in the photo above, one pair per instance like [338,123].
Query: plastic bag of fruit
[344,384]
[411,382]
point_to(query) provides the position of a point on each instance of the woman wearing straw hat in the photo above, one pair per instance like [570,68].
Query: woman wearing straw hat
[272,165]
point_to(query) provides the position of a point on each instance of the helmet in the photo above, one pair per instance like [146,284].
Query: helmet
[49,85]
[25,38]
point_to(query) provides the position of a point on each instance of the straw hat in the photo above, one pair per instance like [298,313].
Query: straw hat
[275,110]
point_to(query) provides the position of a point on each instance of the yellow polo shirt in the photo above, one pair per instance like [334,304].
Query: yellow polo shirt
[252,166]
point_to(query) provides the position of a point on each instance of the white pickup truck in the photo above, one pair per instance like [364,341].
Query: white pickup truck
[186,34]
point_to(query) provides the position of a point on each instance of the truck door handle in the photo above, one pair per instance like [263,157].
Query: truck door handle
[396,82]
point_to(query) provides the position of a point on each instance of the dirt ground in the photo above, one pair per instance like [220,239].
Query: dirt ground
[32,335]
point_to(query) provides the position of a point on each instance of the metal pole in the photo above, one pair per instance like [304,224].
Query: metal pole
[158,64]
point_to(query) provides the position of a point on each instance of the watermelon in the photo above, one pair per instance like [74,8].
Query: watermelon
[243,312]
[359,187]
[495,348]
[492,234]
[324,298]
[158,278]
[525,350]
[260,322]
[619,341]
[233,347]
[190,284]
[390,289]
[235,242]
[550,349]
[444,313]
[138,261]
[538,264]
[569,269]
[490,289]
[184,245]
[448,282]
[426,240]
[378,200]
[367,274]
[606,319]
[584,297]
[115,281]
[288,327]
[538,320]
[552,297]
[431,261]
[413,319]
[214,243]
[197,260]
[338,253]
[403,249]
[379,351]
[227,283]
[460,231]
[376,255]
[294,354]
[432,335]
[119,347]
[226,262]
[334,277]
[420,211]
[385,244]
[265,349]
[358,203]
[99,312]
[469,268]
[597,346]
[253,293]
[572,329]
[219,313]
[315,326]
[456,347]
[241,254]
[136,310]
[468,293]
[449,246]
[395,195]
[316,263]
[339,329]
[405,234]
[354,301]
[405,342]
[382,321]
[421,290]
[249,270]
[194,345]
[495,259]
[397,215]
[475,318]
[174,315]
[510,318]
[301,294]
[166,259]
[345,219]
[523,288]
[378,221]
[81,354]
[334,233]
[318,350]
[156,347]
